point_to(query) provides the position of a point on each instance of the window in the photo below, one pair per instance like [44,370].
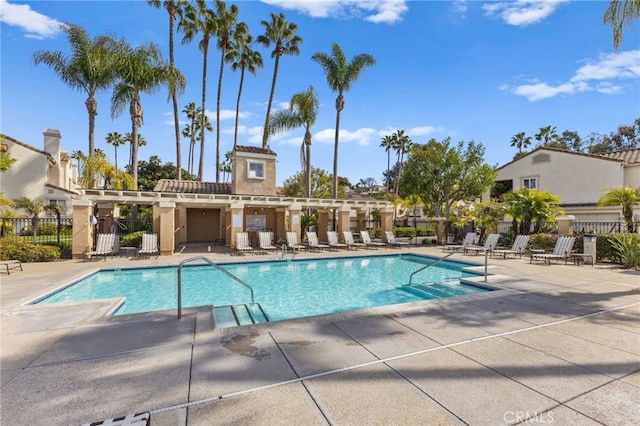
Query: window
[61,203]
[530,182]
[255,169]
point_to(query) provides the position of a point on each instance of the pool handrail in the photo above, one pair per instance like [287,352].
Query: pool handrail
[215,265]
[434,263]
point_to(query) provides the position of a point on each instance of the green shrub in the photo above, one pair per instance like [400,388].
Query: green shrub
[543,241]
[24,251]
[627,248]
[132,240]
[42,229]
[64,245]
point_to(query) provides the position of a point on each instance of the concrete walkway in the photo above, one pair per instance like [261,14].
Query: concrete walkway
[555,345]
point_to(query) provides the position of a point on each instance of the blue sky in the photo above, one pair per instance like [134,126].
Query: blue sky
[471,70]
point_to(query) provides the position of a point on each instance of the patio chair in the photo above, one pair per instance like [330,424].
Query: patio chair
[366,239]
[149,245]
[519,246]
[11,264]
[490,243]
[469,240]
[266,241]
[391,240]
[312,238]
[292,242]
[562,250]
[332,236]
[242,243]
[348,238]
[106,245]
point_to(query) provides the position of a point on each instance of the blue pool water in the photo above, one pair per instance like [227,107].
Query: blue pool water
[284,289]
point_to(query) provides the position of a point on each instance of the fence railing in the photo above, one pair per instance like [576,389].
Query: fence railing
[505,226]
[47,231]
[601,227]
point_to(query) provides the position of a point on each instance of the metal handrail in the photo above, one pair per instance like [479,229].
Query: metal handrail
[434,263]
[215,265]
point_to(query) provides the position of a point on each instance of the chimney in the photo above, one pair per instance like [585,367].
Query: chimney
[52,147]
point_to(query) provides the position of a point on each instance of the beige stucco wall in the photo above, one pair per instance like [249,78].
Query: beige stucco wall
[242,184]
[632,175]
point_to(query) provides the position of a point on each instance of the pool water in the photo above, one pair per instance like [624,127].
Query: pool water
[284,289]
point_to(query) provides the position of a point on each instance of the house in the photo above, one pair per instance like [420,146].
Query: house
[46,174]
[578,179]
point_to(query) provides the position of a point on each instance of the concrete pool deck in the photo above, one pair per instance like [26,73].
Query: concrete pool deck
[555,345]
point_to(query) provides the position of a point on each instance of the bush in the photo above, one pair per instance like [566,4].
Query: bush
[627,248]
[42,229]
[64,245]
[132,240]
[24,251]
[543,241]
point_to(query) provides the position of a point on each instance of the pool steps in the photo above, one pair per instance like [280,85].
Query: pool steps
[235,315]
[436,290]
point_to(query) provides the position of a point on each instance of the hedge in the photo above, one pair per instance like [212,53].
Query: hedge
[25,251]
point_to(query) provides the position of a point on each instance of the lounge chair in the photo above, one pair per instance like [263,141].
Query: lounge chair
[391,240]
[348,238]
[366,239]
[312,238]
[490,243]
[469,239]
[519,246]
[107,244]
[265,241]
[11,264]
[149,245]
[242,243]
[292,242]
[562,250]
[332,236]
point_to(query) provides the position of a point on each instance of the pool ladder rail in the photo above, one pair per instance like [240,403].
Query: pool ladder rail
[435,262]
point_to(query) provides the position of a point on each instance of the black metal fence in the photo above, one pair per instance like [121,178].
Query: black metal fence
[48,230]
[505,226]
[601,227]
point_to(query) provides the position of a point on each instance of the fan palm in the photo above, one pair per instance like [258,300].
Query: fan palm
[244,58]
[89,67]
[401,143]
[529,206]
[282,35]
[33,208]
[521,141]
[115,139]
[197,19]
[302,112]
[624,196]
[128,138]
[193,129]
[387,144]
[547,134]
[341,75]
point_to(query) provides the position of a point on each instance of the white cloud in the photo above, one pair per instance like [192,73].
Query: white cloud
[35,24]
[361,136]
[225,114]
[424,131]
[460,6]
[376,11]
[522,12]
[613,66]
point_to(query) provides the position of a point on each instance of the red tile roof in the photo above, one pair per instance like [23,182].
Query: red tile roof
[629,156]
[254,149]
[192,187]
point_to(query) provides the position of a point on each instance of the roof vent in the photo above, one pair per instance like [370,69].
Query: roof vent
[541,158]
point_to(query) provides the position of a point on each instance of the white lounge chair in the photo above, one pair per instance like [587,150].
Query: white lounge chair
[348,239]
[312,238]
[11,264]
[518,248]
[106,245]
[490,243]
[469,240]
[366,239]
[332,236]
[562,250]
[242,243]
[266,241]
[292,242]
[149,245]
[391,240]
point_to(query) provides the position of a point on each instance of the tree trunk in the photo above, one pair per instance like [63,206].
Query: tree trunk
[92,109]
[235,134]
[204,96]
[174,97]
[218,117]
[265,131]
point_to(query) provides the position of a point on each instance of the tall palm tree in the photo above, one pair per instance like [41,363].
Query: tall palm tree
[173,8]
[302,112]
[387,144]
[243,57]
[547,134]
[621,13]
[194,20]
[88,67]
[226,28]
[624,196]
[115,139]
[282,35]
[33,208]
[521,141]
[341,75]
[401,143]
[193,128]
[128,138]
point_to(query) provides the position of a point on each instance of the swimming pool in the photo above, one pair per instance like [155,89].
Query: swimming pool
[284,289]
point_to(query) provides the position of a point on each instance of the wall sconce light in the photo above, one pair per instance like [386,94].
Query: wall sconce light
[204,212]
[255,212]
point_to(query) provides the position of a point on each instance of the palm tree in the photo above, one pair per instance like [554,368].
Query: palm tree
[173,8]
[546,134]
[282,35]
[226,28]
[243,57]
[619,14]
[387,144]
[128,138]
[302,112]
[401,143]
[115,139]
[341,75]
[89,67]
[193,128]
[141,70]
[33,208]
[199,19]
[624,196]
[521,141]
[528,206]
